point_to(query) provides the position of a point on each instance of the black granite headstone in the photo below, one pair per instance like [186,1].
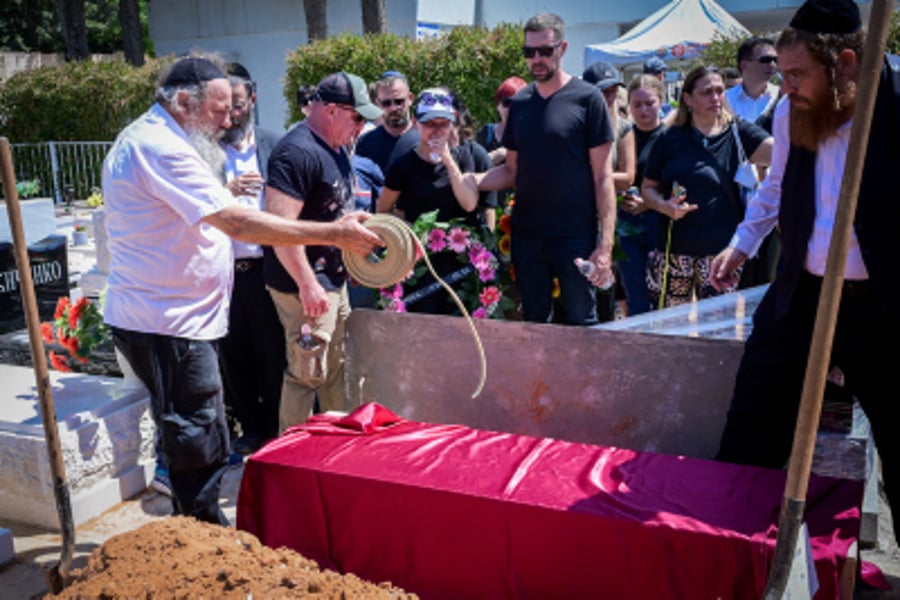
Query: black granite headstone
[50,272]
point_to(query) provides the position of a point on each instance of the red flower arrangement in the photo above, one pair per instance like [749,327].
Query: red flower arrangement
[76,326]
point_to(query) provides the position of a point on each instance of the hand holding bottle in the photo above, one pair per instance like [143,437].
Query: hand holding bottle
[589,269]
[436,147]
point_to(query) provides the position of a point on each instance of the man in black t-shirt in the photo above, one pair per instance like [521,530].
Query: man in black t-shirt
[396,135]
[310,179]
[558,139]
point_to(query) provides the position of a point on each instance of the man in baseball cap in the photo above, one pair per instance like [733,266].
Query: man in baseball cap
[310,179]
[348,90]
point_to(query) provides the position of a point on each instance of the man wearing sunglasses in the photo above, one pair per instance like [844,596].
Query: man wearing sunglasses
[396,135]
[558,140]
[758,63]
[310,179]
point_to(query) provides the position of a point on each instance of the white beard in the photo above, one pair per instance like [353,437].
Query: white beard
[210,151]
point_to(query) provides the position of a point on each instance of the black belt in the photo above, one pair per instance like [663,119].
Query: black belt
[245,264]
[851,287]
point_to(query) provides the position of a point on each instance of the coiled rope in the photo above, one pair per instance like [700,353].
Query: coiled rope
[392,264]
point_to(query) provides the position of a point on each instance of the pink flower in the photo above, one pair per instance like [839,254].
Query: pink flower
[398,306]
[437,240]
[480,257]
[487,274]
[489,296]
[459,239]
[392,294]
[480,313]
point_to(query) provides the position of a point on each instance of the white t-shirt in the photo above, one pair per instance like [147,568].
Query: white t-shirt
[170,274]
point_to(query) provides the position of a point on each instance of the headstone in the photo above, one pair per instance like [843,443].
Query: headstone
[49,271]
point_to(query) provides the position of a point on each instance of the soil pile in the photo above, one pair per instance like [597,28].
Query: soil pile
[180,557]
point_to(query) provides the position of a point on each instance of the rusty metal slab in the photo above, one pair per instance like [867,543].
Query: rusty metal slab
[641,391]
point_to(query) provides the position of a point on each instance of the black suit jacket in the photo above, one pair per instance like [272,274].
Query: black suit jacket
[877,219]
[265,142]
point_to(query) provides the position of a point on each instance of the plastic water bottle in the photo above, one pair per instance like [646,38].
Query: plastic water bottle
[587,268]
[306,339]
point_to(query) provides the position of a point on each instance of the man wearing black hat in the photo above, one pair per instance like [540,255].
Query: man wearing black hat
[819,57]
[169,218]
[252,354]
[310,180]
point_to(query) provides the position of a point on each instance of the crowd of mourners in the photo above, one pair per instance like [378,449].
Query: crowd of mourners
[227,286]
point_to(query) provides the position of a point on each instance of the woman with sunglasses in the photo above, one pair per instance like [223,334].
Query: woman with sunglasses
[430,177]
[699,153]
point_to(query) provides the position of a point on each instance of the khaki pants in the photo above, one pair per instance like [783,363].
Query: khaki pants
[298,389]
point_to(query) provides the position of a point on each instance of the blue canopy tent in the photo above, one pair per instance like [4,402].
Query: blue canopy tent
[679,30]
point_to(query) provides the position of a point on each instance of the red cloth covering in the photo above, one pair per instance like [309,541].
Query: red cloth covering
[452,512]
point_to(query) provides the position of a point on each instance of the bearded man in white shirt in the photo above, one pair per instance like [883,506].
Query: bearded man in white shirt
[819,56]
[170,222]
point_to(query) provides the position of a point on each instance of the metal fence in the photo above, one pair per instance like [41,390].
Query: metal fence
[66,170]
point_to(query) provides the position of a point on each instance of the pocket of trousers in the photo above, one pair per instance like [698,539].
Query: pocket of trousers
[310,364]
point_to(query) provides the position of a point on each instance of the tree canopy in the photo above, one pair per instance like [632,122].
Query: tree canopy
[34,26]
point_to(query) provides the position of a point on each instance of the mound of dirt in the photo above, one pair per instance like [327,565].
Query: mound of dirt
[180,557]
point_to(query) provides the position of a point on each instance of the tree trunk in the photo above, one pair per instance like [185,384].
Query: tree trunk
[316,20]
[132,41]
[74,28]
[374,16]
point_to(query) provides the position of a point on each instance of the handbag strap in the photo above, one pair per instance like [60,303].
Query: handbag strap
[742,156]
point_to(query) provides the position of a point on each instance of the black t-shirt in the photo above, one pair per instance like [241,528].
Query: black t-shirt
[643,141]
[705,166]
[553,137]
[303,166]
[383,148]
[425,186]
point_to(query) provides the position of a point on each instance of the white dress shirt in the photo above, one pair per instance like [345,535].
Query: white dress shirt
[170,273]
[749,108]
[762,211]
[239,161]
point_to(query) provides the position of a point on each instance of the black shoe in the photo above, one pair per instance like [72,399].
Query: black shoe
[246,444]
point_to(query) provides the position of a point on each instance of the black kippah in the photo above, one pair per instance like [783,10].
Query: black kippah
[827,16]
[192,71]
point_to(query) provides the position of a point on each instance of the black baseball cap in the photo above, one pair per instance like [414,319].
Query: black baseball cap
[350,90]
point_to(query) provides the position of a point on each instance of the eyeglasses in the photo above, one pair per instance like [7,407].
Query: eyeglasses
[768,59]
[357,118]
[545,51]
[388,102]
[505,102]
[430,99]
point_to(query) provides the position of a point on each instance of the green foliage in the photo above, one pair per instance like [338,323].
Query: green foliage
[76,101]
[28,189]
[33,26]
[472,61]
[893,41]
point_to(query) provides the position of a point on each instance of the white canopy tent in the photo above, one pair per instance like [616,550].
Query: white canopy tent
[679,30]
